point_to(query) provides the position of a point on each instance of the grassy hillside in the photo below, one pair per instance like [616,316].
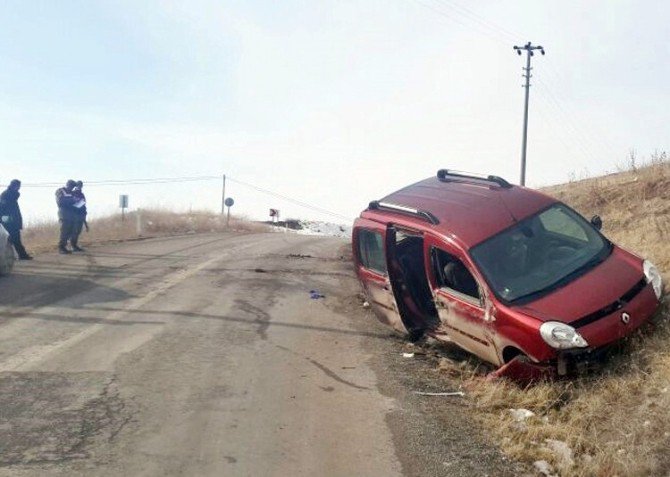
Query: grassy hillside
[152,223]
[634,206]
[616,422]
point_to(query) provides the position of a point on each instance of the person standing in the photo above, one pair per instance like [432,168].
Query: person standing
[67,214]
[10,215]
[80,209]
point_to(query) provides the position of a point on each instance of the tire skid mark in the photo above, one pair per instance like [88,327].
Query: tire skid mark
[326,370]
[261,317]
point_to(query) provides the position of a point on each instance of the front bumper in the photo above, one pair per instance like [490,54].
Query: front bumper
[581,361]
[567,363]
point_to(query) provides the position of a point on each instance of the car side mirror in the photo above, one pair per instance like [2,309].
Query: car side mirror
[597,222]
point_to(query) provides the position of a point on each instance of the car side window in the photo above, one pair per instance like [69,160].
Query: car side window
[453,275]
[371,250]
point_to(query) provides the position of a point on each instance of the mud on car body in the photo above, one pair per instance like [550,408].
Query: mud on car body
[507,273]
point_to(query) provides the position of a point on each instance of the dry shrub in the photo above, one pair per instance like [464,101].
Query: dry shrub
[617,422]
[153,223]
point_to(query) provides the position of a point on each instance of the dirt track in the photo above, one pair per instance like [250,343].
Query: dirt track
[204,355]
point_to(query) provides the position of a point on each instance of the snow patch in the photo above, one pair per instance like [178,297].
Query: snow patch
[311,227]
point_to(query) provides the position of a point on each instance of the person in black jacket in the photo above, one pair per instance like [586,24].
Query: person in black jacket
[10,215]
[67,214]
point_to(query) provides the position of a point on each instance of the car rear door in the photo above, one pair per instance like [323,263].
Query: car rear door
[460,300]
[369,241]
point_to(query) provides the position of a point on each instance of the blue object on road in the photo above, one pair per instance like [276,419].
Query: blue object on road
[315,295]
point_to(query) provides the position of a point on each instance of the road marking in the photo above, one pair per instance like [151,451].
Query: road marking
[33,354]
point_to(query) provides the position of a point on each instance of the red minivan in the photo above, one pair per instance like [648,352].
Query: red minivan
[505,272]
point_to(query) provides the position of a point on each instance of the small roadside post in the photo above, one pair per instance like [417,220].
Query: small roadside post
[229,203]
[138,222]
[123,204]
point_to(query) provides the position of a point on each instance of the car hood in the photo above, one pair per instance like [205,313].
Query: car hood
[598,288]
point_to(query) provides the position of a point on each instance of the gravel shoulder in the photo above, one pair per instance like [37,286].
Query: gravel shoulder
[433,435]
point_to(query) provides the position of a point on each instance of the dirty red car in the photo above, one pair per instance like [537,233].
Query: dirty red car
[507,273]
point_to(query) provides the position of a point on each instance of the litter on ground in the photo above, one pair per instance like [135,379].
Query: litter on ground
[520,415]
[544,468]
[315,295]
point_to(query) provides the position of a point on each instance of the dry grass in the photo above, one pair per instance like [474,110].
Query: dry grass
[154,223]
[616,422]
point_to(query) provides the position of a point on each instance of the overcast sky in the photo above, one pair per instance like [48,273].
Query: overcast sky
[332,103]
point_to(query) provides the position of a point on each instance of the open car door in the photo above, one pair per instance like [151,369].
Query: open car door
[369,241]
[460,301]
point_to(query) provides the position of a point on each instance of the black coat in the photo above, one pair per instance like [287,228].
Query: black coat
[65,200]
[9,206]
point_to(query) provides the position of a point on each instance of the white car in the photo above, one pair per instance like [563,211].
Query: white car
[7,255]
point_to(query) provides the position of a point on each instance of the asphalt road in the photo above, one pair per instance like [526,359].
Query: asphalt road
[205,355]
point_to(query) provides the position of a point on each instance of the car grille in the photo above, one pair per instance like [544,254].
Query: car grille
[611,308]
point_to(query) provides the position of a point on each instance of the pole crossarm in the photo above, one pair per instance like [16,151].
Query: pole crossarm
[529,48]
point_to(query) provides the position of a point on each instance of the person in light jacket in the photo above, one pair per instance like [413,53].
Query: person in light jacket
[10,216]
[80,209]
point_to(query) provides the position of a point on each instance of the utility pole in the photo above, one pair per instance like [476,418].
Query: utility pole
[529,52]
[223,196]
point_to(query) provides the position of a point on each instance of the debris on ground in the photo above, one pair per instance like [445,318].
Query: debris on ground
[413,348]
[451,393]
[544,468]
[520,415]
[315,294]
[408,355]
[366,304]
[561,451]
[449,366]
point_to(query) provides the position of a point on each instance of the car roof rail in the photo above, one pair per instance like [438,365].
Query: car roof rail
[402,209]
[445,174]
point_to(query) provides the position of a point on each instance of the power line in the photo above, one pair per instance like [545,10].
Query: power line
[455,19]
[112,182]
[470,19]
[174,180]
[575,114]
[464,11]
[567,120]
[553,123]
[290,199]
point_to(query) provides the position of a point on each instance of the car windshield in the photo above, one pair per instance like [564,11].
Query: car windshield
[539,254]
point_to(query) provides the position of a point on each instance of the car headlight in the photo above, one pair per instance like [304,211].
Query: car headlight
[561,336]
[653,277]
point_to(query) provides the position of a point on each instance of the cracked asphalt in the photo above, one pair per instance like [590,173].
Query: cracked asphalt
[204,355]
